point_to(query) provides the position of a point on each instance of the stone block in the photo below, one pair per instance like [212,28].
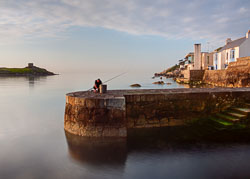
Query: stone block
[153,121]
[118,114]
[71,100]
[68,108]
[90,103]
[75,127]
[143,98]
[100,103]
[130,122]
[80,102]
[164,120]
[123,132]
[176,122]
[150,97]
[115,103]
[67,125]
[128,98]
[141,120]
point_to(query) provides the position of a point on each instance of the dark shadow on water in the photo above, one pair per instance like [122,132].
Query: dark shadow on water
[184,138]
[166,153]
[113,151]
[97,151]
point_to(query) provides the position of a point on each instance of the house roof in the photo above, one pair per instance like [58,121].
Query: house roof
[235,43]
[218,49]
[189,54]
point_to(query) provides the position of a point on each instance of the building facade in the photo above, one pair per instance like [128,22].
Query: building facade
[206,61]
[231,51]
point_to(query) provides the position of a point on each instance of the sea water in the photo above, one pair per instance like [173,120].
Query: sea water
[34,145]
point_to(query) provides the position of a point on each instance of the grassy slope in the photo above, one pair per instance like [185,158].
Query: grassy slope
[16,70]
[23,71]
[173,68]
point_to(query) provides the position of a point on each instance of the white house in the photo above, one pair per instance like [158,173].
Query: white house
[189,61]
[231,51]
[198,60]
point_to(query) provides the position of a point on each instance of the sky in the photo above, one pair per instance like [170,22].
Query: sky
[114,35]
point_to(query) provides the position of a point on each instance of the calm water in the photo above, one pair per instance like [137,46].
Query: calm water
[34,145]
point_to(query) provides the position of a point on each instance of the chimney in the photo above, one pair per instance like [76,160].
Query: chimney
[197,56]
[228,40]
[247,35]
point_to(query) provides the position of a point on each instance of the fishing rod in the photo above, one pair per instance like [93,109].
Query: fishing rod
[115,77]
[111,79]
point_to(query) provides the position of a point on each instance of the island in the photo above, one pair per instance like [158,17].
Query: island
[30,70]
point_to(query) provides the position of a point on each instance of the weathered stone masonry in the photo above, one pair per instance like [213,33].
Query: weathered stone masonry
[236,75]
[93,116]
[111,114]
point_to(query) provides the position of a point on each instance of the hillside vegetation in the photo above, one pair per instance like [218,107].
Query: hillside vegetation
[171,69]
[36,71]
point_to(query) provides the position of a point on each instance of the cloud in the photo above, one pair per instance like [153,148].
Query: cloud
[196,19]
[243,10]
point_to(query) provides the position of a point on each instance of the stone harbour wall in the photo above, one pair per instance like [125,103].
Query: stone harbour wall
[196,75]
[186,74]
[159,110]
[108,115]
[95,117]
[236,75]
[193,75]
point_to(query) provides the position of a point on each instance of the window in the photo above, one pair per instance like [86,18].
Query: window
[207,59]
[227,55]
[232,54]
[215,58]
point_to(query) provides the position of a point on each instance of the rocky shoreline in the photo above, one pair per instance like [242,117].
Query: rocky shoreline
[237,74]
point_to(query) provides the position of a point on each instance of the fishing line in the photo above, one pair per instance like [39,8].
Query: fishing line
[112,78]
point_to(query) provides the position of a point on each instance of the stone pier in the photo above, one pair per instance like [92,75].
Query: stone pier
[113,113]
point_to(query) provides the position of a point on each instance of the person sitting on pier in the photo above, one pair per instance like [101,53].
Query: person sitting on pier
[96,87]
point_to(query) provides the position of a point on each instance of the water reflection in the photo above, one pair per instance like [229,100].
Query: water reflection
[16,80]
[97,151]
[178,151]
[33,143]
[33,79]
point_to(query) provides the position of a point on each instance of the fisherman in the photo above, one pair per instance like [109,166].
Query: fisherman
[96,87]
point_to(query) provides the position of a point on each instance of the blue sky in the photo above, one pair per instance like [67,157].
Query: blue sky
[140,35]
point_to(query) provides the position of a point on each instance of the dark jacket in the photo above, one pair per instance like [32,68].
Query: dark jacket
[97,84]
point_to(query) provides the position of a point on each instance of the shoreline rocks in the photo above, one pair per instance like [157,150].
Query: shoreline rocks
[159,83]
[135,85]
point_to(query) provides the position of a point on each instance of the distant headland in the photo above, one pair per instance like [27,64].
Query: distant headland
[30,70]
